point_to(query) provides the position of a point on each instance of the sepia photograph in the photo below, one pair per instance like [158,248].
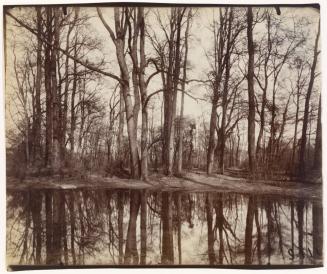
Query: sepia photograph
[162,135]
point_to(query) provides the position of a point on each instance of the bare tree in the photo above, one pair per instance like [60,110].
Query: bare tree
[302,165]
[250,78]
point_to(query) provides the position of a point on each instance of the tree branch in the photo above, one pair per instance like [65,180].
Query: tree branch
[83,63]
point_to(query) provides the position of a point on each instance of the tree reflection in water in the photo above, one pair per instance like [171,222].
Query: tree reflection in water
[77,227]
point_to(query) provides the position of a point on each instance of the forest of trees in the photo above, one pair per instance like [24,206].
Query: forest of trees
[114,102]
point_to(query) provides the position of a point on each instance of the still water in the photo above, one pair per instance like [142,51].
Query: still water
[112,227]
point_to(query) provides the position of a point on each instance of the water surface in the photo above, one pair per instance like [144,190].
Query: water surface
[113,227]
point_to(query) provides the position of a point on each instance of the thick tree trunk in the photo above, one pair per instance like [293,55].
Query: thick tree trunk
[251,114]
[143,91]
[222,138]
[181,116]
[131,127]
[212,130]
[38,81]
[56,155]
[264,92]
[170,89]
[219,46]
[119,41]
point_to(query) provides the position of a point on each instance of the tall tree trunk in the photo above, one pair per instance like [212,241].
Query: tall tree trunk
[56,155]
[218,45]
[38,81]
[119,41]
[170,89]
[72,104]
[132,44]
[181,115]
[264,91]
[302,165]
[212,130]
[225,94]
[65,103]
[48,89]
[143,91]
[251,114]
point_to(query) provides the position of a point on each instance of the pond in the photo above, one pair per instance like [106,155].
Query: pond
[142,227]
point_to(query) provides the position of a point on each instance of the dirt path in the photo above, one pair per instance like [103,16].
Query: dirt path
[194,182]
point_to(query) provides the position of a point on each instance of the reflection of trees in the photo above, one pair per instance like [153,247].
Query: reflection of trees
[25,238]
[317,225]
[223,231]
[71,208]
[211,239]
[167,229]
[300,209]
[36,207]
[143,226]
[73,226]
[248,231]
[131,254]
